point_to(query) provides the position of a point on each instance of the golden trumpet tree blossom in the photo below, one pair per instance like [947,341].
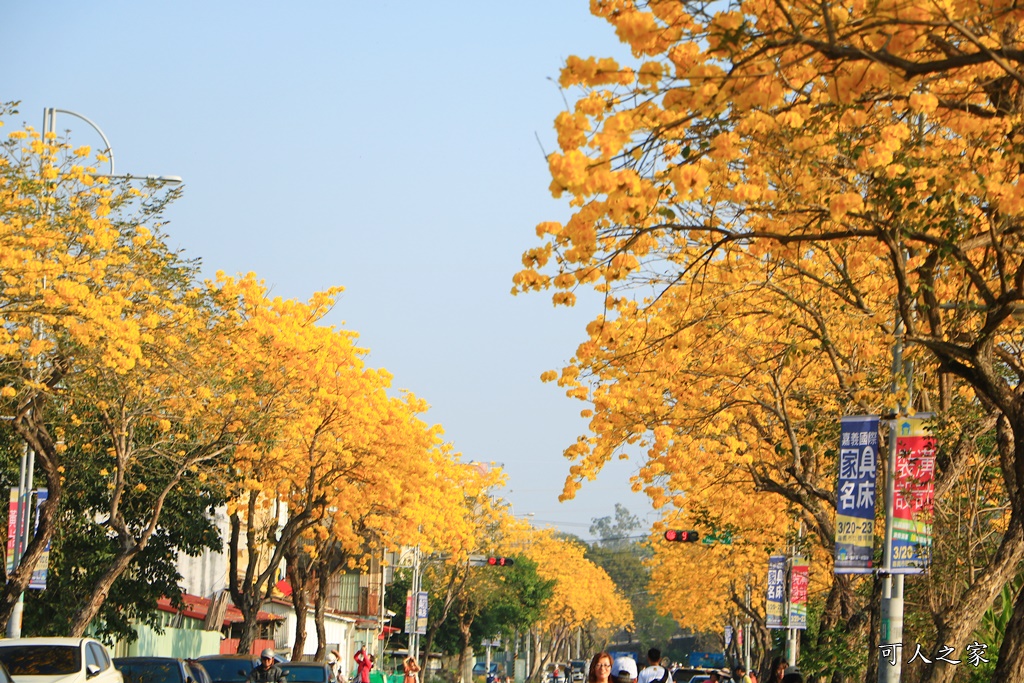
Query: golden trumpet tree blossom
[83,284]
[336,456]
[761,196]
[584,595]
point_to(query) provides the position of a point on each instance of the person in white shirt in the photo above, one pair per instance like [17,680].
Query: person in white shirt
[653,672]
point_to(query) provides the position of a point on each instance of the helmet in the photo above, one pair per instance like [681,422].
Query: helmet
[267,654]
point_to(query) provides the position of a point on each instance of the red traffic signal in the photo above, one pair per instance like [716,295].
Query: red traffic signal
[681,536]
[500,561]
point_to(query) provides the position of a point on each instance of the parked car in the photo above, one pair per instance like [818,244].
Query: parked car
[684,674]
[160,670]
[71,660]
[578,667]
[200,673]
[307,672]
[480,668]
[228,668]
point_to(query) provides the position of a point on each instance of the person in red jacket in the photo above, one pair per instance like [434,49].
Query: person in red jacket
[365,663]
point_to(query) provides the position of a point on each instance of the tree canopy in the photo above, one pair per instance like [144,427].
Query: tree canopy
[769,198]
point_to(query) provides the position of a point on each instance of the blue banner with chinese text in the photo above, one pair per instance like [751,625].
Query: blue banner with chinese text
[855,507]
[776,591]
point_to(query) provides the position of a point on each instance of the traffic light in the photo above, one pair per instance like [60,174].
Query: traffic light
[500,561]
[677,536]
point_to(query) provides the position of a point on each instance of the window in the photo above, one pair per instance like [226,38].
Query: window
[94,656]
[346,587]
[41,660]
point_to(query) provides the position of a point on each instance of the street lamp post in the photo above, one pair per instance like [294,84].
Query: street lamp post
[890,664]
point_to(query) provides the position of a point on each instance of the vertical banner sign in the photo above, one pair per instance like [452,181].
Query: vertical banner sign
[799,575]
[776,591]
[410,621]
[422,608]
[855,511]
[38,580]
[12,527]
[914,493]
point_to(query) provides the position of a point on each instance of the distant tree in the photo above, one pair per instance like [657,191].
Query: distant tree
[620,554]
[615,531]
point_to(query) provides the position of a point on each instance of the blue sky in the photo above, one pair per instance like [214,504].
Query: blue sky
[388,147]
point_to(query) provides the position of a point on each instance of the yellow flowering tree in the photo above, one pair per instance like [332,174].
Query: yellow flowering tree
[336,458]
[770,197]
[82,276]
[584,595]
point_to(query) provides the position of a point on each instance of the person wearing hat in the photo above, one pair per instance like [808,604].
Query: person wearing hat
[624,670]
[334,661]
[267,671]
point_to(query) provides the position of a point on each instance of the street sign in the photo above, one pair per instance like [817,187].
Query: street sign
[713,537]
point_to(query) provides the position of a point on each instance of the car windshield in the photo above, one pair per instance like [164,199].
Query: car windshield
[227,670]
[41,660]
[149,672]
[305,674]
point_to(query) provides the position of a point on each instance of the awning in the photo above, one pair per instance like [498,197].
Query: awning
[197,607]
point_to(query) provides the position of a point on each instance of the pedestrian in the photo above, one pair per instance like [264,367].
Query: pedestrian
[739,674]
[600,668]
[778,670]
[334,662]
[364,662]
[624,670]
[653,672]
[267,671]
[411,670]
[714,677]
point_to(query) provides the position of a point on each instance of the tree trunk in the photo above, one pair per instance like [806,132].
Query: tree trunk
[130,548]
[251,590]
[454,587]
[959,623]
[250,627]
[299,602]
[320,611]
[464,627]
[1010,666]
[17,582]
[87,612]
[48,460]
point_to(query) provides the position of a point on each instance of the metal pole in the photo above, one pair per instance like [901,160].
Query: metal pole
[892,591]
[793,634]
[747,629]
[50,123]
[414,638]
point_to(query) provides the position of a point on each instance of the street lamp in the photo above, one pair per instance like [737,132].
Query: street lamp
[50,125]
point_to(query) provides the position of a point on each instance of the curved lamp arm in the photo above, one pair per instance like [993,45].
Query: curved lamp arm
[50,123]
